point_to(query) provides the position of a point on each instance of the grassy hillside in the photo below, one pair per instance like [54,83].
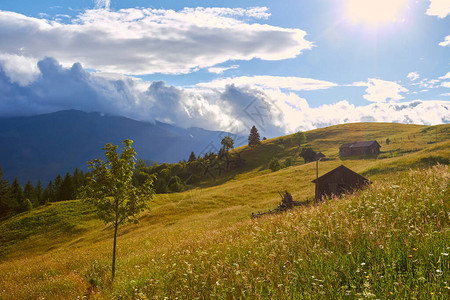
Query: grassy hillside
[202,243]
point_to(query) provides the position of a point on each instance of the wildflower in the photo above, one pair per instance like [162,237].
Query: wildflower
[410,256]
[414,249]
[363,264]
[445,254]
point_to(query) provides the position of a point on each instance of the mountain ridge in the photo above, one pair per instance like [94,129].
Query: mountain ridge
[41,146]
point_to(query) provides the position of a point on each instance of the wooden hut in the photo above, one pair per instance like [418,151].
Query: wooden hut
[339,181]
[359,148]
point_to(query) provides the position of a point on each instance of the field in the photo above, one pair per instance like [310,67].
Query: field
[389,241]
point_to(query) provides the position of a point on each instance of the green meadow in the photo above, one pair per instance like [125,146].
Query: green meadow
[389,241]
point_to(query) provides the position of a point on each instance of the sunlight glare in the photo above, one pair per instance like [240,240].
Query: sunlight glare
[374,12]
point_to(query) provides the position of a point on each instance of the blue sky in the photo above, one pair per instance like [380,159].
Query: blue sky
[282,65]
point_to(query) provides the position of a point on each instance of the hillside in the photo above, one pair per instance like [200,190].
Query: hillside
[43,146]
[201,243]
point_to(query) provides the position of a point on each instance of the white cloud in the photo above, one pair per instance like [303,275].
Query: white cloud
[272,82]
[446,76]
[445,84]
[220,70]
[381,90]
[102,4]
[19,69]
[445,43]
[146,41]
[439,8]
[231,108]
[413,76]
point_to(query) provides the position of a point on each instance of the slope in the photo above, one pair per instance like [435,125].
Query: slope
[211,225]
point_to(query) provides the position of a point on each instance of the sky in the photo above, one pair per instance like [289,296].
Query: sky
[283,66]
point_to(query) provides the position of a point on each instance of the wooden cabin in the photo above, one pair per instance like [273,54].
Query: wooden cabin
[339,181]
[359,148]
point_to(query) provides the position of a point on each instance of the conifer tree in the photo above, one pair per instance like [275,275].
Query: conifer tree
[38,192]
[67,189]
[48,195]
[192,157]
[17,195]
[6,206]
[253,138]
[57,184]
[28,193]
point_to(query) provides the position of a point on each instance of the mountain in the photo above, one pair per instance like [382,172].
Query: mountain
[42,146]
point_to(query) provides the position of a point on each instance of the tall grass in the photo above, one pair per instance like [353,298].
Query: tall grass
[391,240]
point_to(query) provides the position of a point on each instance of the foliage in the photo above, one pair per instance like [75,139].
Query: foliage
[109,188]
[300,138]
[6,206]
[227,143]
[192,157]
[253,138]
[274,165]
[388,141]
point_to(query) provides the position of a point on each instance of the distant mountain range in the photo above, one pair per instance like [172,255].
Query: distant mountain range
[42,146]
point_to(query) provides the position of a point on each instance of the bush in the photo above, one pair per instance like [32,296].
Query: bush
[274,165]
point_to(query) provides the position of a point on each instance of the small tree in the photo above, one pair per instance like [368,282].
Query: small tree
[227,143]
[388,141]
[300,138]
[274,165]
[253,138]
[192,157]
[110,189]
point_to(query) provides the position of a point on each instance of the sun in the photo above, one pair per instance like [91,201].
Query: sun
[374,12]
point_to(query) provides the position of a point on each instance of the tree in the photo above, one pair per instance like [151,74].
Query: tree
[6,206]
[253,138]
[109,188]
[17,195]
[388,141]
[67,190]
[274,165]
[300,138]
[192,157]
[28,193]
[38,193]
[227,143]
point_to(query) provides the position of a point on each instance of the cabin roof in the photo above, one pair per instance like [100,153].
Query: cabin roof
[341,168]
[359,144]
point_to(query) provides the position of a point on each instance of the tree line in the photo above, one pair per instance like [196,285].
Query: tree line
[16,199]
[168,177]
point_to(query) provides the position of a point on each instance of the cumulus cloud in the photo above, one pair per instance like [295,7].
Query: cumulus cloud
[446,84]
[445,43]
[232,108]
[413,76]
[381,90]
[147,41]
[19,69]
[272,82]
[439,8]
[446,76]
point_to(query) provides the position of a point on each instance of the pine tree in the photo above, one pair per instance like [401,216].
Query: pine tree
[67,190]
[253,138]
[57,184]
[6,206]
[192,157]
[38,193]
[28,193]
[17,195]
[48,195]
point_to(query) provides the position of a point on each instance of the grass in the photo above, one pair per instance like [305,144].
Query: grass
[202,244]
